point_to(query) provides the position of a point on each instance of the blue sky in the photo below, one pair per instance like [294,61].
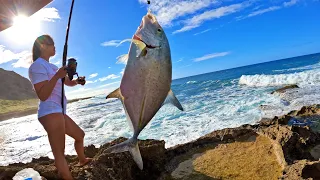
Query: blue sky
[204,35]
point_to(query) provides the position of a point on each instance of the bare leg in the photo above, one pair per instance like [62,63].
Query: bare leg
[74,131]
[54,124]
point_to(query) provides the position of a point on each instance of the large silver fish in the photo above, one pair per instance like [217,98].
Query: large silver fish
[146,82]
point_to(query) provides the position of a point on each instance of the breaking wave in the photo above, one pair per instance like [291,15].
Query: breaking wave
[311,77]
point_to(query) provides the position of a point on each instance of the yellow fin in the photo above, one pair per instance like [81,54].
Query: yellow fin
[138,43]
[115,94]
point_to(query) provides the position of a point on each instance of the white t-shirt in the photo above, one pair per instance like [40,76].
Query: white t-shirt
[41,70]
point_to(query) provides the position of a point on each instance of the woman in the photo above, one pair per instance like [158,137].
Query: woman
[46,80]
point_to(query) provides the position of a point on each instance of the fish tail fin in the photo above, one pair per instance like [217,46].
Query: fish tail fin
[130,145]
[135,153]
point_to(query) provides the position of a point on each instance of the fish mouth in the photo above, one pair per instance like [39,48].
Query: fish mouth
[147,45]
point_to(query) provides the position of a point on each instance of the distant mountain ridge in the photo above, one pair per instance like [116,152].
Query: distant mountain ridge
[15,87]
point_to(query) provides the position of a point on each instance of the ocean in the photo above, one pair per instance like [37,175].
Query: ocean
[212,101]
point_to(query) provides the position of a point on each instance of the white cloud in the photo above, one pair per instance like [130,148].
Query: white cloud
[290,3]
[57,63]
[93,75]
[184,66]
[262,11]
[6,55]
[185,28]
[269,9]
[46,14]
[202,32]
[80,92]
[24,61]
[91,82]
[238,18]
[211,56]
[111,43]
[55,58]
[257,7]
[24,57]
[197,20]
[111,76]
[168,10]
[122,71]
[94,91]
[109,84]
[180,60]
[81,89]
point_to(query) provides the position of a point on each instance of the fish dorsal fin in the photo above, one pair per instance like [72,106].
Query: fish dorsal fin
[123,59]
[171,98]
[115,94]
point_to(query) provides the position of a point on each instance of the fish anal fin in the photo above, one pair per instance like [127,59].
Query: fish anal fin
[171,98]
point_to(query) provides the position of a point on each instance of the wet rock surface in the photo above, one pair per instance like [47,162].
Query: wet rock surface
[283,89]
[294,149]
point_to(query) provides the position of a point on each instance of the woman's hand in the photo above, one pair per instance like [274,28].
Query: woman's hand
[62,72]
[81,80]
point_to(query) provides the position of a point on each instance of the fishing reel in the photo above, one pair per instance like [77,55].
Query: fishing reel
[72,70]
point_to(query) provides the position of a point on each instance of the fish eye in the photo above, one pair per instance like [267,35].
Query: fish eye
[159,30]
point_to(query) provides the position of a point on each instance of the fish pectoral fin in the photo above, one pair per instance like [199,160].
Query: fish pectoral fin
[142,53]
[141,48]
[141,45]
[115,94]
[130,145]
[171,98]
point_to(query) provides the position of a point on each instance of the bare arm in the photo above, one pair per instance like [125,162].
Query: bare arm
[75,82]
[69,82]
[45,88]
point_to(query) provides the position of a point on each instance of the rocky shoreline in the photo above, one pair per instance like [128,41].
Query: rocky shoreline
[293,151]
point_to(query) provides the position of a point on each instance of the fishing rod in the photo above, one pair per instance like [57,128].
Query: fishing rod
[64,58]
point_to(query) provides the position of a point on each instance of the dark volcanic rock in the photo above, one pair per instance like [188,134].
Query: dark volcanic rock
[283,89]
[296,142]
[302,169]
[103,166]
